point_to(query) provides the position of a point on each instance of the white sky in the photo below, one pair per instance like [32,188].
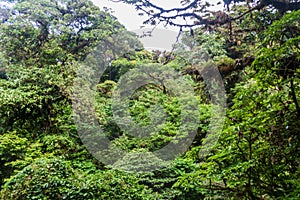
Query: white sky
[127,15]
[163,37]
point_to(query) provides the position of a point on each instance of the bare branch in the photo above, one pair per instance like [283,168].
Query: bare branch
[196,10]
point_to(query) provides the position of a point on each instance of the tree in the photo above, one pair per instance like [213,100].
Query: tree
[42,41]
[196,13]
[257,155]
[254,44]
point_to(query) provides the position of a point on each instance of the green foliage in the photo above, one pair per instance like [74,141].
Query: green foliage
[44,179]
[257,154]
[41,42]
[114,184]
[12,147]
[281,56]
[118,68]
[106,88]
[55,179]
[59,145]
[48,32]
[205,45]
[259,149]
[165,182]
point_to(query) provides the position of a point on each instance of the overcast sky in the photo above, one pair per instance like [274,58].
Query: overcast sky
[163,37]
[127,15]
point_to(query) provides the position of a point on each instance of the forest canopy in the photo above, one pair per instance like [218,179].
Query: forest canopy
[55,50]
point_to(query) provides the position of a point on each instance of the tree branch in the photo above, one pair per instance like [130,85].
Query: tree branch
[194,8]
